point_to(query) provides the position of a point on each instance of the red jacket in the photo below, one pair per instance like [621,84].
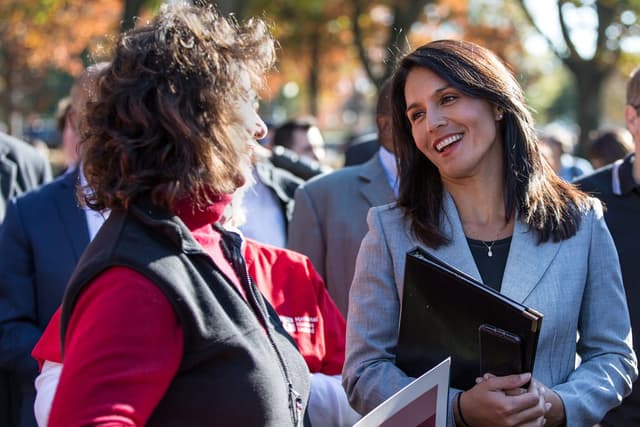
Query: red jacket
[297,292]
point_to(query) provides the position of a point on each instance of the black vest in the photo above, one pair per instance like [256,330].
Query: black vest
[232,373]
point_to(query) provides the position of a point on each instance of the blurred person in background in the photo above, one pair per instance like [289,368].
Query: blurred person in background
[608,145]
[557,147]
[22,168]
[62,164]
[330,211]
[302,136]
[267,205]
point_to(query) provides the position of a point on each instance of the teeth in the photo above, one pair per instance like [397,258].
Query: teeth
[448,141]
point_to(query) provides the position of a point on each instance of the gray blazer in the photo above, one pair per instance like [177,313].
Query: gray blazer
[575,283]
[22,168]
[329,221]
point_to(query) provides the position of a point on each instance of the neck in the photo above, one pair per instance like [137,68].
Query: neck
[480,205]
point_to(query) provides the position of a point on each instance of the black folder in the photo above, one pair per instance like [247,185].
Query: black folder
[443,310]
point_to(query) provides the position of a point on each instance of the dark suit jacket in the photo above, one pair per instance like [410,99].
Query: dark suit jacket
[22,168]
[282,182]
[361,149]
[44,233]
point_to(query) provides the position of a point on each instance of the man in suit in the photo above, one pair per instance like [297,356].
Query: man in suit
[361,148]
[264,210]
[22,168]
[618,186]
[44,233]
[330,211]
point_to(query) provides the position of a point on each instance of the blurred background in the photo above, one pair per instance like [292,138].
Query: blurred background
[571,56]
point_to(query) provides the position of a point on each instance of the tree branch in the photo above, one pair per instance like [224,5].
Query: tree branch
[529,17]
[358,40]
[573,53]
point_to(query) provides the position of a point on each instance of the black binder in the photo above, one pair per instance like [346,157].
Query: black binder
[442,311]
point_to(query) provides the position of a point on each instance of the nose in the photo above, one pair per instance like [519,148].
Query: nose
[260,130]
[435,119]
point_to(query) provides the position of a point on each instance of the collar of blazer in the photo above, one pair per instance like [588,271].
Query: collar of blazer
[526,264]
[8,174]
[375,187]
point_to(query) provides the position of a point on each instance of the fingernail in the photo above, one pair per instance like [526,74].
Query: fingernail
[547,406]
[542,390]
[525,377]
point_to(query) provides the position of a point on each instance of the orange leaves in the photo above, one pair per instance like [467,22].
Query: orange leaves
[53,33]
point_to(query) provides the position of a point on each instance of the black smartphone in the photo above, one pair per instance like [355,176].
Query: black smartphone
[500,351]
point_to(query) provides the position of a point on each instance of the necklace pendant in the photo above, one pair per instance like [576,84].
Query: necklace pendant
[490,253]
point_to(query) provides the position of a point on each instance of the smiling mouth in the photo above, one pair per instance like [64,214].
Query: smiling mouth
[440,146]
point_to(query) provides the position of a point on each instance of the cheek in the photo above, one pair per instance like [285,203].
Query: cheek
[421,141]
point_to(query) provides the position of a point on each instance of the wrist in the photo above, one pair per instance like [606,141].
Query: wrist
[556,415]
[458,411]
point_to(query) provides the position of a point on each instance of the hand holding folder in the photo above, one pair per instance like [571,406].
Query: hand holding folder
[446,312]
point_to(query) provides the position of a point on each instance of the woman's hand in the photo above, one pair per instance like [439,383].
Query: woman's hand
[501,401]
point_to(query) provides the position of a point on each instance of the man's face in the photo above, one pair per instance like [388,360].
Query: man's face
[632,122]
[309,143]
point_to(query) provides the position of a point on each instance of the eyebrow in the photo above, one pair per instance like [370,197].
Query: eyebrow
[436,92]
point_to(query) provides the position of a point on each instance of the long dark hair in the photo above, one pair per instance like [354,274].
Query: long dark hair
[550,206]
[165,118]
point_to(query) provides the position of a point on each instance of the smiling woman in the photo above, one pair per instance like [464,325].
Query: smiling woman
[442,116]
[471,176]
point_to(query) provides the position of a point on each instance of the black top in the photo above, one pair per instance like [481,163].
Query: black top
[615,186]
[491,259]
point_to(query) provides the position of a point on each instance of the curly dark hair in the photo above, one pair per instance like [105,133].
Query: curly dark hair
[550,206]
[164,122]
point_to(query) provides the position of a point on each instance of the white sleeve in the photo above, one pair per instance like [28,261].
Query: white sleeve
[46,384]
[328,404]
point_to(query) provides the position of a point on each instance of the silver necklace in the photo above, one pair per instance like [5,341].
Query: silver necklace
[489,247]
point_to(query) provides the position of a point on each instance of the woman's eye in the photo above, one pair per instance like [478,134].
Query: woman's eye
[448,98]
[416,115]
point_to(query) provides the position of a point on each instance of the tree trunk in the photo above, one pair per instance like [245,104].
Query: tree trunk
[589,88]
[314,72]
[405,13]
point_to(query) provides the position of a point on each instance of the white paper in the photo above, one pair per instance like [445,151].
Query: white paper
[415,404]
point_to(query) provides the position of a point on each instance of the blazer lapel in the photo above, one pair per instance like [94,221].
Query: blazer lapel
[527,262]
[456,253]
[72,215]
[375,187]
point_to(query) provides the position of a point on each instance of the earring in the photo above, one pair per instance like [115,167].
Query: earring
[499,116]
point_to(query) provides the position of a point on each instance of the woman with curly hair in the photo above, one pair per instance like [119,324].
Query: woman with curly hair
[161,324]
[476,193]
